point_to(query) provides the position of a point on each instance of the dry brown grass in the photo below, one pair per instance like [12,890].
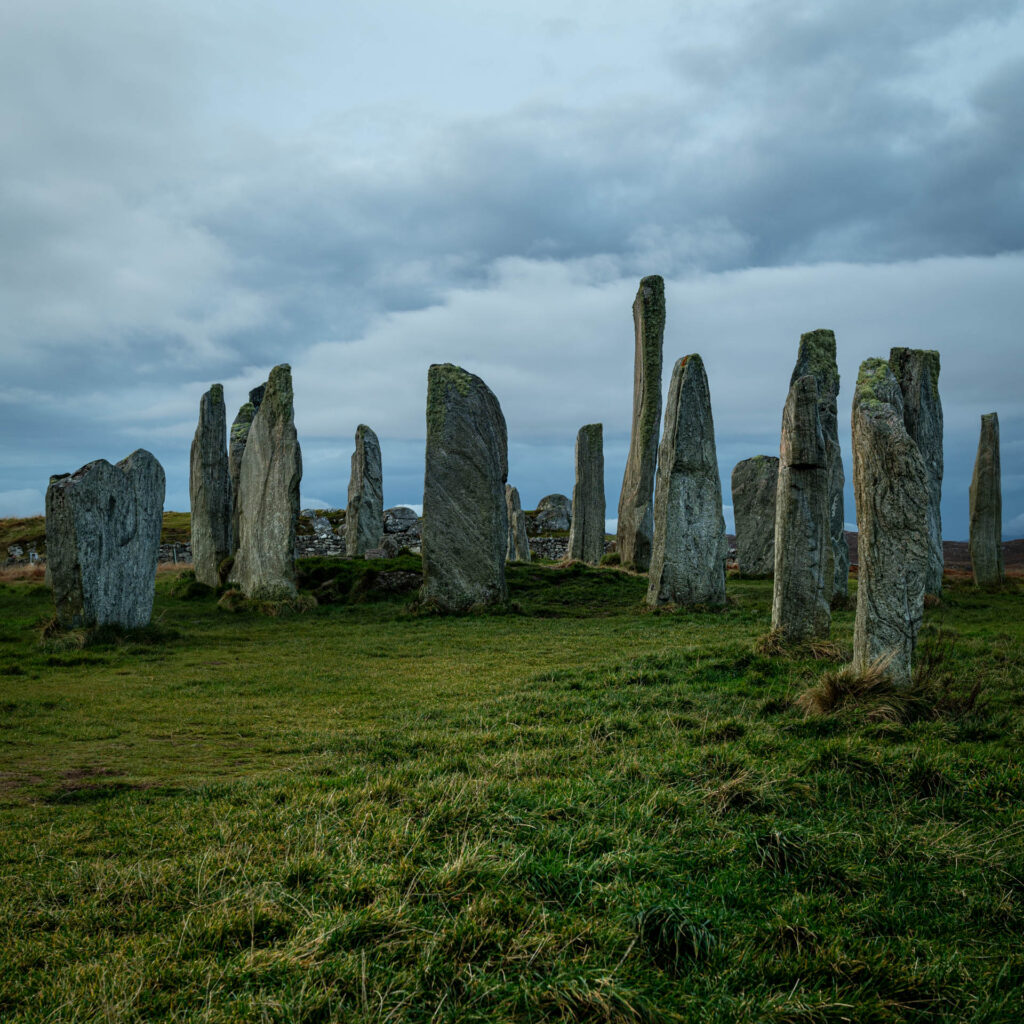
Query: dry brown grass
[773,645]
[20,573]
[870,689]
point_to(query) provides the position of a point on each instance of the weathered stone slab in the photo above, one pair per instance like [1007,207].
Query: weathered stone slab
[890,484]
[800,596]
[986,537]
[586,531]
[688,556]
[817,357]
[754,488]
[554,513]
[635,532]
[103,526]
[236,449]
[268,495]
[518,543]
[465,523]
[209,489]
[917,372]
[364,517]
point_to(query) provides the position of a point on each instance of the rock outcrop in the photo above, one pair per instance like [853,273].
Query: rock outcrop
[518,549]
[364,517]
[754,487]
[986,508]
[209,488]
[586,532]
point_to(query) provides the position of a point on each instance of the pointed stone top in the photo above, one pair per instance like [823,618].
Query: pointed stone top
[363,431]
[278,393]
[216,392]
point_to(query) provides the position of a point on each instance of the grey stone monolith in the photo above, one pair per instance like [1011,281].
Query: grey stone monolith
[635,532]
[103,526]
[800,596]
[688,555]
[586,529]
[890,485]
[754,487]
[518,549]
[268,495]
[236,449]
[364,517]
[986,508]
[554,512]
[917,372]
[817,357]
[465,522]
[209,489]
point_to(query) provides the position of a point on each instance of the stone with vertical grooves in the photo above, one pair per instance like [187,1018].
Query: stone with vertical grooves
[890,484]
[236,449]
[689,550]
[518,549]
[754,486]
[364,517]
[465,522]
[586,529]
[986,507]
[635,531]
[209,489]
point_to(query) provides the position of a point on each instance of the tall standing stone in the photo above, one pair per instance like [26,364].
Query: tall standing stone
[635,531]
[754,488]
[518,549]
[817,357]
[103,526]
[465,522]
[800,596]
[586,529]
[917,372]
[209,489]
[236,449]
[688,557]
[890,484]
[364,517]
[268,495]
[987,507]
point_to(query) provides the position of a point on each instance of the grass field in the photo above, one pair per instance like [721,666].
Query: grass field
[576,811]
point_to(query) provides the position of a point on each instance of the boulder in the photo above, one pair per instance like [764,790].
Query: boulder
[986,507]
[518,549]
[554,513]
[754,487]
[401,519]
[586,531]
[209,488]
[364,517]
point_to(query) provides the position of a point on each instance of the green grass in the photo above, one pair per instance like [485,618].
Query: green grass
[574,810]
[31,533]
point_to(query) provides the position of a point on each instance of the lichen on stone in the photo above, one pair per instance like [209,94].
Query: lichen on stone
[240,428]
[874,380]
[442,377]
[817,356]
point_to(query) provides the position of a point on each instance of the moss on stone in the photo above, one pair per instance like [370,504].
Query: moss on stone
[817,357]
[871,380]
[279,396]
[441,378]
[243,421]
[216,393]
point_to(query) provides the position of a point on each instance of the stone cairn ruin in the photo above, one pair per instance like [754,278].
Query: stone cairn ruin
[364,517]
[890,483]
[518,549]
[986,536]
[754,486]
[103,527]
[635,531]
[465,522]
[586,530]
[209,489]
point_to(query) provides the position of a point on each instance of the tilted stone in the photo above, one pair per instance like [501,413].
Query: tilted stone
[554,512]
[635,531]
[917,372]
[754,486]
[364,517]
[817,357]
[103,526]
[465,523]
[890,484]
[236,449]
[586,530]
[256,397]
[268,495]
[800,596]
[209,489]
[986,537]
[688,555]
[518,549]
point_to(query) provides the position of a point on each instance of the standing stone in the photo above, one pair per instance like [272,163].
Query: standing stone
[688,557]
[800,597]
[518,549]
[364,518]
[917,372]
[890,484]
[636,500]
[754,488]
[987,507]
[256,397]
[209,489]
[465,523]
[236,449]
[268,495]
[817,356]
[554,512]
[586,531]
[103,528]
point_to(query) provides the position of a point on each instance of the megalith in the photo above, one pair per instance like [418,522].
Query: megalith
[817,357]
[209,489]
[236,449]
[465,522]
[518,549]
[986,510]
[586,529]
[635,532]
[800,595]
[103,526]
[890,484]
[754,486]
[917,373]
[364,517]
[268,495]
[689,550]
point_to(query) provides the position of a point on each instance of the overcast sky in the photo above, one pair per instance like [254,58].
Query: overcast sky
[193,192]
